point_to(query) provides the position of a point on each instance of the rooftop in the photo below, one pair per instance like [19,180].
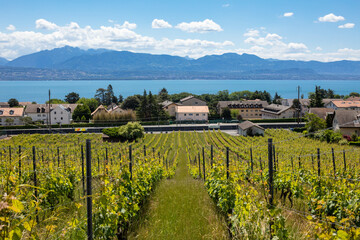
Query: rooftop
[247,124]
[192,109]
[11,112]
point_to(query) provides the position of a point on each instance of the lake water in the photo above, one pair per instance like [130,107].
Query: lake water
[38,90]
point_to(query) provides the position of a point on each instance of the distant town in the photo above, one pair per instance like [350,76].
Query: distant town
[339,112]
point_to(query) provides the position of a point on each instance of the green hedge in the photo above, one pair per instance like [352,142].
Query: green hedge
[354,143]
[281,120]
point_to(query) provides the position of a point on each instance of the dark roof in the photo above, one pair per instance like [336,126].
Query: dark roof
[187,98]
[276,108]
[247,124]
[321,112]
[347,118]
[32,108]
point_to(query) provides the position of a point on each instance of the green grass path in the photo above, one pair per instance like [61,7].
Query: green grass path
[180,208]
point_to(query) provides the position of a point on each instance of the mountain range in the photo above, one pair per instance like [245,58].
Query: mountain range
[71,63]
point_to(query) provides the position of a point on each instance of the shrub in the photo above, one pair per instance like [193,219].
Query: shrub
[125,116]
[129,132]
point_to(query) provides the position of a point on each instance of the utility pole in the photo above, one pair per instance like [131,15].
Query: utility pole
[299,105]
[49,119]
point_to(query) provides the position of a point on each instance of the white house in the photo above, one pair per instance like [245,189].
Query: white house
[60,115]
[192,113]
[11,116]
[40,112]
[248,128]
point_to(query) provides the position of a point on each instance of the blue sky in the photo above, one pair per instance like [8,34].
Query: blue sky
[283,29]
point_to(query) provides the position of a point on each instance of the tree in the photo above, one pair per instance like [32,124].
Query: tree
[354,94]
[109,96]
[92,103]
[316,98]
[143,108]
[223,95]
[100,95]
[314,123]
[13,102]
[72,97]
[120,99]
[277,98]
[27,121]
[82,111]
[9,121]
[226,113]
[163,95]
[55,101]
[131,102]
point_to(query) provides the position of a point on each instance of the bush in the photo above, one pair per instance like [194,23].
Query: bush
[128,132]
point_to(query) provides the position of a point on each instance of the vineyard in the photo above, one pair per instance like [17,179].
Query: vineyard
[287,188]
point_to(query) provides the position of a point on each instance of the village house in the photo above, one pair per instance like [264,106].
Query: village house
[191,101]
[248,128]
[169,107]
[343,104]
[322,112]
[60,115]
[192,113]
[304,104]
[347,121]
[249,109]
[98,110]
[40,112]
[11,116]
[115,109]
[276,111]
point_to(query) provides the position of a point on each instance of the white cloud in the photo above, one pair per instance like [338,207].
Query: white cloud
[111,21]
[11,27]
[296,47]
[318,49]
[160,23]
[252,33]
[331,18]
[288,14]
[44,24]
[200,27]
[226,5]
[117,37]
[347,25]
[127,25]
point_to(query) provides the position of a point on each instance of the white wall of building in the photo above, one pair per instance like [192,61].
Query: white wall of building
[60,115]
[192,116]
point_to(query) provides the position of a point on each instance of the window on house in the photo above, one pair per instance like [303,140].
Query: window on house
[11,112]
[204,114]
[247,110]
[61,118]
[196,102]
[190,114]
[39,115]
[38,110]
[242,110]
[55,118]
[61,113]
[42,110]
[197,114]
[1,112]
[184,114]
[54,112]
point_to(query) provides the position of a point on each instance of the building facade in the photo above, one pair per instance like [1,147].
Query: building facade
[11,116]
[60,115]
[249,109]
[343,104]
[192,113]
